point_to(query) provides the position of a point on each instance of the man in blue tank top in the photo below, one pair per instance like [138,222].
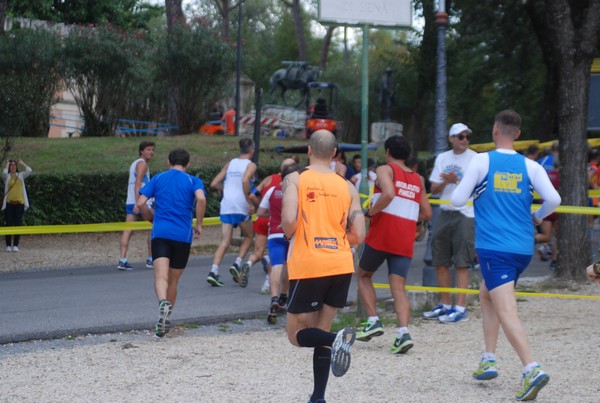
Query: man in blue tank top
[502,184]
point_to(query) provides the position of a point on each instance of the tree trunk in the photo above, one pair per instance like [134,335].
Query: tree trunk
[547,128]
[573,242]
[174,16]
[3,10]
[573,30]
[224,9]
[416,131]
[174,13]
[298,27]
[325,48]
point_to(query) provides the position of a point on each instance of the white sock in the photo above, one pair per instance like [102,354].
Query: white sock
[401,330]
[373,319]
[249,263]
[149,257]
[123,259]
[489,356]
[238,260]
[527,369]
[215,269]
[448,307]
[460,309]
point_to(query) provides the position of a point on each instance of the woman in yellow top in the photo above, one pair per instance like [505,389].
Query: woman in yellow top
[15,200]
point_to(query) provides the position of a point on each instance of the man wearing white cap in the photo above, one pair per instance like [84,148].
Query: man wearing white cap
[453,234]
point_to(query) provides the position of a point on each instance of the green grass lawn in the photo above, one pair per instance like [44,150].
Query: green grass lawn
[114,154]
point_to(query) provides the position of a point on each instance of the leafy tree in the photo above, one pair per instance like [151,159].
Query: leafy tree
[196,64]
[97,65]
[495,58]
[29,80]
[121,13]
[571,29]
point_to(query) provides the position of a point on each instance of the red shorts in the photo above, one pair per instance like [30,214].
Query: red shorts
[261,226]
[552,217]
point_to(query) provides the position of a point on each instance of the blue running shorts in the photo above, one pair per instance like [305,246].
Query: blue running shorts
[498,268]
[278,249]
[234,219]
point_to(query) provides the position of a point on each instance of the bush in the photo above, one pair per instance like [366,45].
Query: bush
[94,198]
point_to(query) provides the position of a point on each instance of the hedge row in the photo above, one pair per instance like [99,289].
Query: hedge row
[94,198]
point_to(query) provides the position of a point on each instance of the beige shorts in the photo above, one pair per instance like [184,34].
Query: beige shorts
[453,240]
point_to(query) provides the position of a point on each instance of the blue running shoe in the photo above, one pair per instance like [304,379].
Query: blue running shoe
[454,316]
[124,265]
[435,312]
[214,280]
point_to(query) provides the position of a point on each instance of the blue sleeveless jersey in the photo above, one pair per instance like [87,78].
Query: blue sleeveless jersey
[502,204]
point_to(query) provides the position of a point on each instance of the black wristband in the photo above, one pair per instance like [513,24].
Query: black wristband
[368,215]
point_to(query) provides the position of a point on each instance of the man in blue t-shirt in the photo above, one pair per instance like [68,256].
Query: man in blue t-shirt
[175,192]
[502,182]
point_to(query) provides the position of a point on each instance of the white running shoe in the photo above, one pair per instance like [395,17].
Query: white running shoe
[266,287]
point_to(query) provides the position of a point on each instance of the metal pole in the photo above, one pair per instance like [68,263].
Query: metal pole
[258,109]
[441,113]
[364,135]
[238,71]
[441,117]
[364,120]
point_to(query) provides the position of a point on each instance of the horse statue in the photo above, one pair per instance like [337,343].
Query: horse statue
[294,77]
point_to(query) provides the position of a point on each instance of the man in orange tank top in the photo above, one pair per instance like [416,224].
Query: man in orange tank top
[399,202]
[321,215]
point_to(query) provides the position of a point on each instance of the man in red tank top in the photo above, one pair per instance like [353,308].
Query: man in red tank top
[399,202]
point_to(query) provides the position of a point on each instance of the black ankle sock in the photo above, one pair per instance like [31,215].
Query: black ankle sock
[315,337]
[321,365]
[282,299]
[274,299]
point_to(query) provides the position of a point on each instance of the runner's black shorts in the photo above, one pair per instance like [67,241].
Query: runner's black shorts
[177,252]
[309,295]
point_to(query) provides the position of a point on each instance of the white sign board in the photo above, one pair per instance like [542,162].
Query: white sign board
[387,13]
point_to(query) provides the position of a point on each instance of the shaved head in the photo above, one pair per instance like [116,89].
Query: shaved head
[323,144]
[285,163]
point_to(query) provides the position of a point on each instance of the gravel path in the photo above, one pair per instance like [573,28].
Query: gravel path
[252,362]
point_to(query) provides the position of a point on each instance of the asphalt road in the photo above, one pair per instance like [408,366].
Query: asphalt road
[101,299]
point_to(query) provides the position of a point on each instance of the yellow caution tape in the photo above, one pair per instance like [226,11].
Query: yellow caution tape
[470,291]
[102,227]
[534,207]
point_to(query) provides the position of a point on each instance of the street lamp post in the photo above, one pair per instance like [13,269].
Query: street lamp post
[238,71]
[441,117]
